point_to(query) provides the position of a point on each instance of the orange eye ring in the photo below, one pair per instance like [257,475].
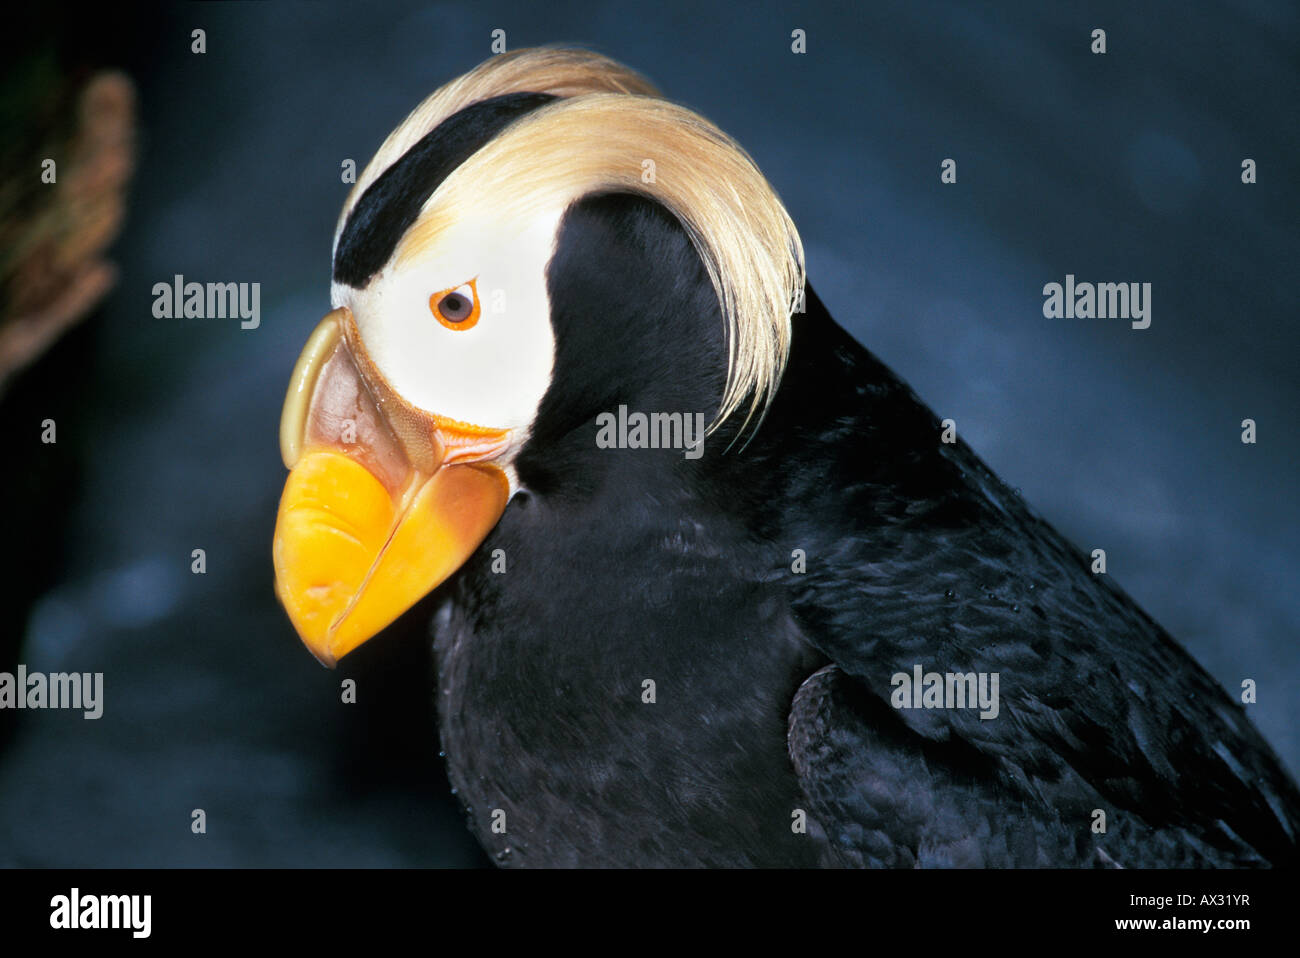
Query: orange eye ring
[456,308]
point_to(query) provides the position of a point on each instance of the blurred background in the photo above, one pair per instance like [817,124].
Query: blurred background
[225,167]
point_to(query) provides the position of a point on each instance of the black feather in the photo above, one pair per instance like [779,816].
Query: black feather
[773,687]
[392,203]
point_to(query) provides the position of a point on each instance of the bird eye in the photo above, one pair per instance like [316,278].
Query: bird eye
[456,308]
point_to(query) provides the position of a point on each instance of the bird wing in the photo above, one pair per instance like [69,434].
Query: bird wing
[882,796]
[918,555]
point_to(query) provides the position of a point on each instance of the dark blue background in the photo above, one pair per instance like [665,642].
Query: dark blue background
[1122,167]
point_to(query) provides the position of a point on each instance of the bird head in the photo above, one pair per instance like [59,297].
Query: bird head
[414,398]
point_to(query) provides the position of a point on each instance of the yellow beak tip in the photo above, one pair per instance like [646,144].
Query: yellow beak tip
[323,656]
[350,558]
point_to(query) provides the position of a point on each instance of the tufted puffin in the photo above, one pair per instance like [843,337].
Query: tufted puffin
[713,589]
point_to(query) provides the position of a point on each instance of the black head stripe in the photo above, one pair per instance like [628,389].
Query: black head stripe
[392,203]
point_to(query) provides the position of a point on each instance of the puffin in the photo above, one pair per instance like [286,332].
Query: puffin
[712,587]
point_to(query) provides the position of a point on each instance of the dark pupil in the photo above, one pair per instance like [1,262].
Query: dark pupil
[454,307]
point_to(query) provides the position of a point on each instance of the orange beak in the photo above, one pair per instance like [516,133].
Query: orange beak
[383,502]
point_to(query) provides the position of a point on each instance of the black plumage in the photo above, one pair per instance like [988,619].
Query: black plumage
[388,207]
[773,687]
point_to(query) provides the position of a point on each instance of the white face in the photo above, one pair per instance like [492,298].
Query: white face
[492,372]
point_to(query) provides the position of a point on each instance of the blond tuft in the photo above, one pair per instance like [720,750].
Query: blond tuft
[560,71]
[598,142]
